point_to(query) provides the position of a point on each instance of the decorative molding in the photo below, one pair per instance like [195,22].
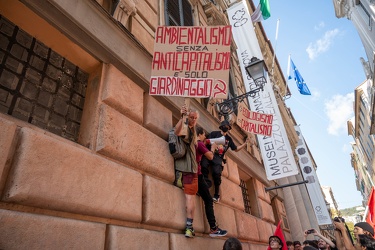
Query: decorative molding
[125,9]
[215,15]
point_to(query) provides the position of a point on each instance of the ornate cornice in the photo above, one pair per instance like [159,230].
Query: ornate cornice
[215,15]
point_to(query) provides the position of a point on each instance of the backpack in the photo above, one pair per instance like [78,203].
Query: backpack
[177,146]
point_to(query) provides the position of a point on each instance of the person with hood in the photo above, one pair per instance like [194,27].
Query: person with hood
[217,162]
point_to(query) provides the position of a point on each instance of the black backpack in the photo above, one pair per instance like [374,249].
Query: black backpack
[177,147]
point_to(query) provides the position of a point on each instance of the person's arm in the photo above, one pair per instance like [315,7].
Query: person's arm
[328,241]
[339,240]
[345,238]
[209,155]
[242,145]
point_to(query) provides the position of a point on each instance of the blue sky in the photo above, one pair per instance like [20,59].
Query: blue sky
[326,50]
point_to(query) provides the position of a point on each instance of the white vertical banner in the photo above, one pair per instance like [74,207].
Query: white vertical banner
[313,186]
[275,149]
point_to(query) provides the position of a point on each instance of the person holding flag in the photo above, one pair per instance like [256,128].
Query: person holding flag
[277,240]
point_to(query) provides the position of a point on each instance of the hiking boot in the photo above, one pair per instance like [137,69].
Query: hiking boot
[218,232]
[216,198]
[189,233]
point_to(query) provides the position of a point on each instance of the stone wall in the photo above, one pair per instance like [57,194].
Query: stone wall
[119,193]
[113,189]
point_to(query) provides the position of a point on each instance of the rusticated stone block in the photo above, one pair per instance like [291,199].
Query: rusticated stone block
[124,140]
[247,226]
[167,210]
[267,213]
[265,230]
[262,194]
[180,242]
[122,94]
[7,132]
[153,4]
[225,219]
[60,175]
[157,118]
[30,231]
[233,171]
[258,247]
[246,246]
[280,208]
[132,238]
[231,194]
[141,30]
[148,14]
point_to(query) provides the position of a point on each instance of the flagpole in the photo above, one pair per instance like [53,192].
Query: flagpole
[287,75]
[274,54]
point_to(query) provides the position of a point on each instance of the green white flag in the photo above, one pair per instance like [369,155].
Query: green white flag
[262,12]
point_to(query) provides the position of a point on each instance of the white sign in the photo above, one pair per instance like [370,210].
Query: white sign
[313,186]
[275,149]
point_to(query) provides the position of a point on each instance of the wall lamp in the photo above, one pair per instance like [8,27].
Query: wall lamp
[257,71]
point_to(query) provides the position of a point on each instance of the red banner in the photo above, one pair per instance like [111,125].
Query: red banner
[279,233]
[370,218]
[254,122]
[191,61]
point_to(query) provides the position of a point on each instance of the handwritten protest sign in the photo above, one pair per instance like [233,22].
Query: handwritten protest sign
[254,122]
[191,61]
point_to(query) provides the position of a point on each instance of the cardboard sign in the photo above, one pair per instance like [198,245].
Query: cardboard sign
[254,122]
[191,61]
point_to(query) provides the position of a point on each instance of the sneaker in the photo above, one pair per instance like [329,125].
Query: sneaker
[216,198]
[189,232]
[218,232]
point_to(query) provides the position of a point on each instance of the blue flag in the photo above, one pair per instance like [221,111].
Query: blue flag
[302,87]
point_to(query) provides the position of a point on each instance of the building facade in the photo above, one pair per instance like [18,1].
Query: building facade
[362,156]
[362,15]
[84,159]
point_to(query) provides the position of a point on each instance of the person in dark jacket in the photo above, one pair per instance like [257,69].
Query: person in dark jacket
[217,162]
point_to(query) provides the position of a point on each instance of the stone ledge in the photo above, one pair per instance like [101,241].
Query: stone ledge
[54,174]
[132,238]
[29,231]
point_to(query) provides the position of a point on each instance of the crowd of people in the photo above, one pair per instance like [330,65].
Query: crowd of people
[202,157]
[363,239]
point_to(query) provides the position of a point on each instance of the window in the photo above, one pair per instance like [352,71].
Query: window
[245,196]
[249,197]
[178,13]
[364,14]
[110,5]
[39,86]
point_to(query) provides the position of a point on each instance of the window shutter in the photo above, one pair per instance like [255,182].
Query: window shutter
[178,13]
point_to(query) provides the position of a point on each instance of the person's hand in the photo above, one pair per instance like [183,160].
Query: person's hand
[339,226]
[316,233]
[184,110]
[250,140]
[305,233]
[214,147]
